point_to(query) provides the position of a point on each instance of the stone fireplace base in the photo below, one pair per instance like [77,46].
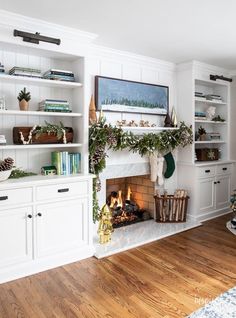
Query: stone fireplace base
[134,235]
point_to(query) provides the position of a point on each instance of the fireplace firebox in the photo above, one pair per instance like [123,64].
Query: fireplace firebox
[130,200]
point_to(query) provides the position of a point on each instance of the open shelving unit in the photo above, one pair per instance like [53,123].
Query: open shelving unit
[221,108]
[33,157]
[38,81]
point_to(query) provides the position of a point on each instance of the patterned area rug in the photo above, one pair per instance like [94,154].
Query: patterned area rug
[228,225]
[223,306]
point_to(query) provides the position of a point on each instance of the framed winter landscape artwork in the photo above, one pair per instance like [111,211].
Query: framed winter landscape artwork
[117,95]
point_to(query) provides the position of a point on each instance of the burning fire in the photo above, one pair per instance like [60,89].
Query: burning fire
[117,202]
[129,192]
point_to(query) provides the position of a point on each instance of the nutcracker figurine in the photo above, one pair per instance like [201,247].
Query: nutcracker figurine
[105,226]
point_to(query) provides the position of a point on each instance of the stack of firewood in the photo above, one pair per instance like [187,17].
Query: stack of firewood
[171,208]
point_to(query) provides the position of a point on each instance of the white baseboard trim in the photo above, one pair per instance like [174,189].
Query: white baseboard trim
[40,265]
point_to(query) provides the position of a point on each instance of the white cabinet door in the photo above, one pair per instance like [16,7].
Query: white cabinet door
[223,189]
[61,227]
[15,236]
[206,195]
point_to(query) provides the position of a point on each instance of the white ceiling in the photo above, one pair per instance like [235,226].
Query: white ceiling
[173,30]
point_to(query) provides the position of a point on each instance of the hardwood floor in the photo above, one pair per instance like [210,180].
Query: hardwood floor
[169,278]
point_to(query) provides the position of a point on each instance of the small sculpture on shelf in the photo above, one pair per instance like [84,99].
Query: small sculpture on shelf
[211,112]
[168,121]
[105,226]
[48,171]
[174,118]
[24,98]
[218,118]
[132,123]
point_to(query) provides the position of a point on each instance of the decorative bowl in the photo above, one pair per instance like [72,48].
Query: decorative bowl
[4,175]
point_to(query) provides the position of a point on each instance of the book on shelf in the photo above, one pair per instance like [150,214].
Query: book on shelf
[200,118]
[59,75]
[66,163]
[25,71]
[54,105]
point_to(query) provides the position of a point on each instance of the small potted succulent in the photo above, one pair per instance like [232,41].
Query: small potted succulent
[202,133]
[24,98]
[6,166]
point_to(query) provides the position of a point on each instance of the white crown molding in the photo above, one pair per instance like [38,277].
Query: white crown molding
[201,65]
[103,52]
[13,20]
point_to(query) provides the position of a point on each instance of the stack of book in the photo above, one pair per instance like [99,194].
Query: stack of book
[59,75]
[200,115]
[54,105]
[199,94]
[66,163]
[2,69]
[214,97]
[25,71]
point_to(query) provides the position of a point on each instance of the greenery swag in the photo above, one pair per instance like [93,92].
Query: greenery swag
[104,136]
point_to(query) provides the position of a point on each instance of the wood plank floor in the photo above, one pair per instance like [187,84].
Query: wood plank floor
[169,278]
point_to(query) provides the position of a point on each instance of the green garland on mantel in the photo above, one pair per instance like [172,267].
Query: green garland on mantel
[104,136]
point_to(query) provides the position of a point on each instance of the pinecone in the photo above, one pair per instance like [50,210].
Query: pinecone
[6,164]
[112,141]
[98,155]
[98,184]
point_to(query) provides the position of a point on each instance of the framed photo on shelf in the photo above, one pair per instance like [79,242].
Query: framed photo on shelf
[118,95]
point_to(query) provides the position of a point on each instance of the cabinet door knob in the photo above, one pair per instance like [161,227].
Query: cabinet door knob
[224,169]
[39,214]
[29,216]
[218,181]
[207,171]
[215,182]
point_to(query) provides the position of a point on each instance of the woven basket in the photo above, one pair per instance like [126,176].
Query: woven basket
[171,209]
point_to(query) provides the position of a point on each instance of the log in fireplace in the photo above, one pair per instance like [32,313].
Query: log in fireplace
[130,200]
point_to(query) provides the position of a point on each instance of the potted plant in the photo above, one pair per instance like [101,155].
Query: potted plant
[202,133]
[24,98]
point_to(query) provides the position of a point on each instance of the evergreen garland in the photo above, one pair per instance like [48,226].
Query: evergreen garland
[18,173]
[104,136]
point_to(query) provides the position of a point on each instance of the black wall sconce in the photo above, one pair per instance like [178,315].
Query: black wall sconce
[221,77]
[35,37]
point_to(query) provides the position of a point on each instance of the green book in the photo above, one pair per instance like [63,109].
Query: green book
[56,161]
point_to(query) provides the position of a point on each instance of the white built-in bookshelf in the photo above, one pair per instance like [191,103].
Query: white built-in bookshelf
[190,81]
[221,108]
[33,157]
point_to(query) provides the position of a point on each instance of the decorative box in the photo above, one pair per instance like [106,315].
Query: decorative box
[44,138]
[207,154]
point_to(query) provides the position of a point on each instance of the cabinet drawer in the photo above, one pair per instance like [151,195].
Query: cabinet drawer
[223,169]
[16,196]
[62,190]
[206,171]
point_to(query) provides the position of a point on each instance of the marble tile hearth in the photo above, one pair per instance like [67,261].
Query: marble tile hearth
[134,235]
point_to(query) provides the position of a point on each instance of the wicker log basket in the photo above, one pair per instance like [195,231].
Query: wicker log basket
[171,208]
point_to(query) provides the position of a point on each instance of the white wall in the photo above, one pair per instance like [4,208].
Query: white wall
[124,65]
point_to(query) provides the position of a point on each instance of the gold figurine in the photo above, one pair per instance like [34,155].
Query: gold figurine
[105,226]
